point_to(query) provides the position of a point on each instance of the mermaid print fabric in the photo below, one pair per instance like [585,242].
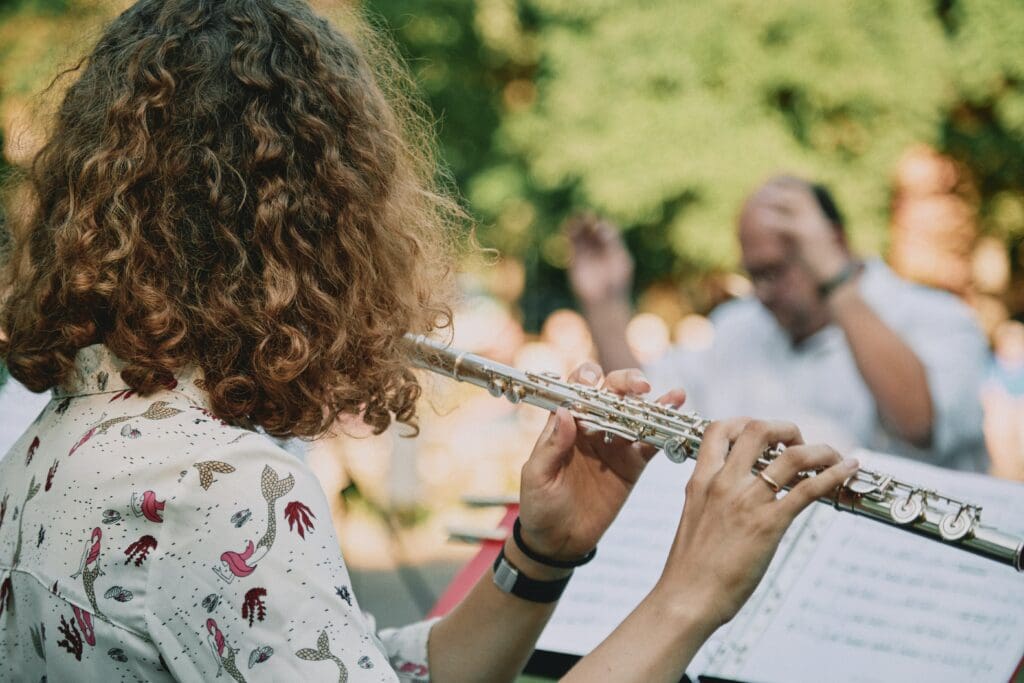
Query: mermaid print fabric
[142,539]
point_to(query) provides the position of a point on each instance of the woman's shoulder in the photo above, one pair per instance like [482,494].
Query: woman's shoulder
[168,441]
[239,460]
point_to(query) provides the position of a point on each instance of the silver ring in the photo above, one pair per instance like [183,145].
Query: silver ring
[772,484]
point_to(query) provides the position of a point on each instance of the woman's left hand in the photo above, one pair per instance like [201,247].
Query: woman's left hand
[574,483]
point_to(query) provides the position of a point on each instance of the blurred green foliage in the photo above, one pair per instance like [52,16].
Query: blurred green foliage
[984,126]
[664,114]
[671,112]
[52,6]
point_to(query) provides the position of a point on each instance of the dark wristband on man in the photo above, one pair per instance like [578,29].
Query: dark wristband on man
[852,269]
[517,536]
[509,579]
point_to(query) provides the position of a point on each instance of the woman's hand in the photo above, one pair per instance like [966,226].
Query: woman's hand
[732,523]
[573,486]
[574,483]
[733,520]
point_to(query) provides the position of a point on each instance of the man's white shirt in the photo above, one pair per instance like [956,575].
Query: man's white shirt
[753,368]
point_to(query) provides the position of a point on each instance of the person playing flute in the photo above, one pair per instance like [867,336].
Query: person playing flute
[229,229]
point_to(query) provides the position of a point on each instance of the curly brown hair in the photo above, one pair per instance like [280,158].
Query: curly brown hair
[228,185]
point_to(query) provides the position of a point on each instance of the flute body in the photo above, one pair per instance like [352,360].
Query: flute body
[875,495]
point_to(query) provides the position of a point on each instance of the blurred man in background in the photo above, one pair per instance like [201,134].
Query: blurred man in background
[842,346]
[1003,400]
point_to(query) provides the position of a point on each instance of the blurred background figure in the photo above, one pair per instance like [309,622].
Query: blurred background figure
[662,115]
[1003,397]
[902,364]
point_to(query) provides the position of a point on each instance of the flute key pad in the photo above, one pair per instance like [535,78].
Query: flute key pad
[907,510]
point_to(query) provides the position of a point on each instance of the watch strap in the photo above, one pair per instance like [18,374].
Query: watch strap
[517,536]
[849,271]
[510,580]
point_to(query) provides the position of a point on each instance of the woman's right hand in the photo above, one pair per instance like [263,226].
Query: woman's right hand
[733,521]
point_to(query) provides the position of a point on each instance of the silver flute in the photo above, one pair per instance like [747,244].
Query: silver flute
[871,494]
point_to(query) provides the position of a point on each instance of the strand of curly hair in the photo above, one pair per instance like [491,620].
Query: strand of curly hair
[228,185]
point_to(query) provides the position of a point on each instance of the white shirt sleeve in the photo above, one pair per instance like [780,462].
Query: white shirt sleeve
[679,368]
[947,341]
[692,370]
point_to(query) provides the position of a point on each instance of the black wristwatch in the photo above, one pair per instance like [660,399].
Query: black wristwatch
[852,269]
[510,580]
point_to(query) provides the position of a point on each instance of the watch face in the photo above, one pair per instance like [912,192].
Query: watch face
[508,580]
[505,575]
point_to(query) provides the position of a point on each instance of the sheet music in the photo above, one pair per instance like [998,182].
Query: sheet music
[874,603]
[846,599]
[796,549]
[629,561]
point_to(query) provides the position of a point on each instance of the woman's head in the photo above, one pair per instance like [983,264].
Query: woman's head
[226,185]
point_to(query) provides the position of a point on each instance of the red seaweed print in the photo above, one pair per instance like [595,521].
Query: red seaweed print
[6,595]
[50,474]
[254,606]
[300,517]
[31,451]
[72,638]
[139,550]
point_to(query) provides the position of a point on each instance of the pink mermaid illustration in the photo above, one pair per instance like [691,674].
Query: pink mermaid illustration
[158,410]
[241,564]
[146,505]
[84,620]
[91,554]
[89,569]
[222,652]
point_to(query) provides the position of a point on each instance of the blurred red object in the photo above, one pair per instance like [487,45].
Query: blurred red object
[474,569]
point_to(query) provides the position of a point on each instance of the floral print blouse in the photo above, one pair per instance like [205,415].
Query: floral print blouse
[142,539]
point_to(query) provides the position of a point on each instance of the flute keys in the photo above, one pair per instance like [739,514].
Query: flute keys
[866,484]
[676,450]
[907,510]
[875,495]
[956,525]
[860,487]
[496,387]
